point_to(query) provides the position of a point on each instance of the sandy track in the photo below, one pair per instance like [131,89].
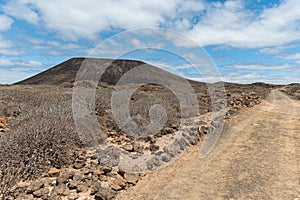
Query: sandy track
[257,157]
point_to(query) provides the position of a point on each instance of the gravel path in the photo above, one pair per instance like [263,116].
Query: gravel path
[257,157]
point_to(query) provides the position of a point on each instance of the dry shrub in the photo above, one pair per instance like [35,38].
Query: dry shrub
[30,148]
[67,85]
[9,176]
[293,90]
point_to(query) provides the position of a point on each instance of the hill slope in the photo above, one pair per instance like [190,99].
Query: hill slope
[67,71]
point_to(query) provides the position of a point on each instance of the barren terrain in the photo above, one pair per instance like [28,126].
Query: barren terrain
[257,157]
[42,156]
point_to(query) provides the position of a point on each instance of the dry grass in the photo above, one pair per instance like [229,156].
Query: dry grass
[42,133]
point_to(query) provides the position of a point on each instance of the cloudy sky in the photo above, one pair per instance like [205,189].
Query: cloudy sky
[249,41]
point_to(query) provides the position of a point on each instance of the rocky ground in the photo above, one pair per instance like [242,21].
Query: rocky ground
[257,157]
[3,124]
[96,173]
[292,90]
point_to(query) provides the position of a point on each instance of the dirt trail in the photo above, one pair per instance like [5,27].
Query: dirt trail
[257,157]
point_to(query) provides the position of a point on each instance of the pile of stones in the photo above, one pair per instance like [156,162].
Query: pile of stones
[235,103]
[85,179]
[292,90]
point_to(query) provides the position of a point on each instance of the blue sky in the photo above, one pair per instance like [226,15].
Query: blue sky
[249,41]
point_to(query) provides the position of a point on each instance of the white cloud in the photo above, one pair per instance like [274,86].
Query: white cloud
[79,19]
[275,50]
[9,77]
[188,6]
[22,9]
[260,66]
[295,57]
[253,77]
[137,43]
[4,44]
[199,59]
[75,19]
[232,24]
[288,75]
[54,47]
[10,52]
[190,71]
[176,69]
[56,44]
[6,48]
[292,56]
[5,23]
[229,23]
[16,63]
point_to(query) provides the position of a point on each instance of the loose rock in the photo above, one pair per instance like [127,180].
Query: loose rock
[54,172]
[131,178]
[41,192]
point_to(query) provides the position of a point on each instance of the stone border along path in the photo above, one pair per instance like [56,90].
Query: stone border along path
[134,163]
[257,157]
[192,131]
[97,174]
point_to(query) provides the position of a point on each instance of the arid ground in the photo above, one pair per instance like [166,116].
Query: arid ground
[257,157]
[42,156]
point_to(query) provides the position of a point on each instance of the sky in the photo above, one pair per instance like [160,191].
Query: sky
[246,41]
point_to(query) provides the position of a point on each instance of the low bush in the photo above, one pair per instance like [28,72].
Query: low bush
[31,147]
